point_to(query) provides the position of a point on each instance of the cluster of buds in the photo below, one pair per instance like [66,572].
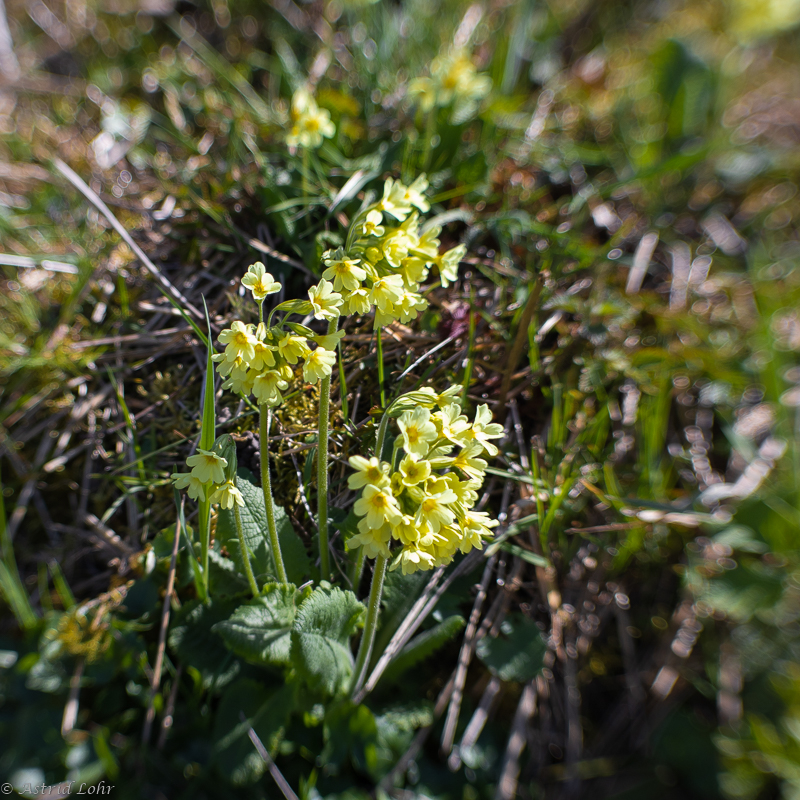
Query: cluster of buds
[259,359]
[310,123]
[386,259]
[424,497]
[453,79]
[213,474]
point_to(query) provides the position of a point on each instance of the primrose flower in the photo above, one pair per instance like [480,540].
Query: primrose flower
[428,244]
[375,541]
[448,262]
[260,282]
[262,357]
[417,431]
[318,365]
[356,302]
[412,558]
[324,301]
[469,462]
[196,489]
[377,506]
[291,348]
[329,341]
[484,429]
[240,341]
[207,467]
[372,224]
[409,306]
[344,272]
[396,246]
[414,194]
[465,491]
[433,508]
[368,472]
[386,291]
[454,425]
[267,387]
[393,201]
[227,494]
[413,471]
[425,91]
[310,123]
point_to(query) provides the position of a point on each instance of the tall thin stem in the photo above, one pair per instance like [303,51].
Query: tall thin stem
[322,468]
[379,345]
[248,569]
[370,626]
[264,419]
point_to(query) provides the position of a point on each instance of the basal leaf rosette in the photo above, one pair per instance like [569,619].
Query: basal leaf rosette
[424,498]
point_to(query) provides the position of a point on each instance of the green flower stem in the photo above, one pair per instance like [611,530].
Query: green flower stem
[322,468]
[370,626]
[204,513]
[356,568]
[430,132]
[248,570]
[380,367]
[266,487]
[375,591]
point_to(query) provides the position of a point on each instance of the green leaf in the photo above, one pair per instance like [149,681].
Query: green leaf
[350,730]
[254,526]
[424,645]
[223,577]
[320,638]
[261,630]
[518,653]
[236,757]
[192,641]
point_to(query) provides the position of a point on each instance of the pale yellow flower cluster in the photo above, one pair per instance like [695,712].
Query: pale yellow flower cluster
[310,124]
[208,480]
[259,359]
[386,261]
[424,497]
[453,79]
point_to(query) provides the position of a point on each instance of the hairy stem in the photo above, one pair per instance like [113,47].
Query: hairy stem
[379,345]
[264,419]
[322,468]
[370,626]
[248,570]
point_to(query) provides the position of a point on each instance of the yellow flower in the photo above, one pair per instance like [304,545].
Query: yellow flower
[417,431]
[433,508]
[469,462]
[368,472]
[318,365]
[409,306]
[311,123]
[344,272]
[227,494]
[448,264]
[413,558]
[393,201]
[374,541]
[452,424]
[414,194]
[484,429]
[386,291]
[241,379]
[196,489]
[260,282]
[207,467]
[267,387]
[428,244]
[465,491]
[414,270]
[413,471]
[240,341]
[423,89]
[293,347]
[377,506]
[475,528]
[372,224]
[262,355]
[395,247]
[330,341]
[356,302]
[324,301]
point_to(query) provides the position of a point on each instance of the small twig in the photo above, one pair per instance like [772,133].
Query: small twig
[464,657]
[169,711]
[276,774]
[162,635]
[509,773]
[71,708]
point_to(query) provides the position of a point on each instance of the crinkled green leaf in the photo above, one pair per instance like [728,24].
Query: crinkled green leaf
[321,638]
[517,654]
[261,630]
